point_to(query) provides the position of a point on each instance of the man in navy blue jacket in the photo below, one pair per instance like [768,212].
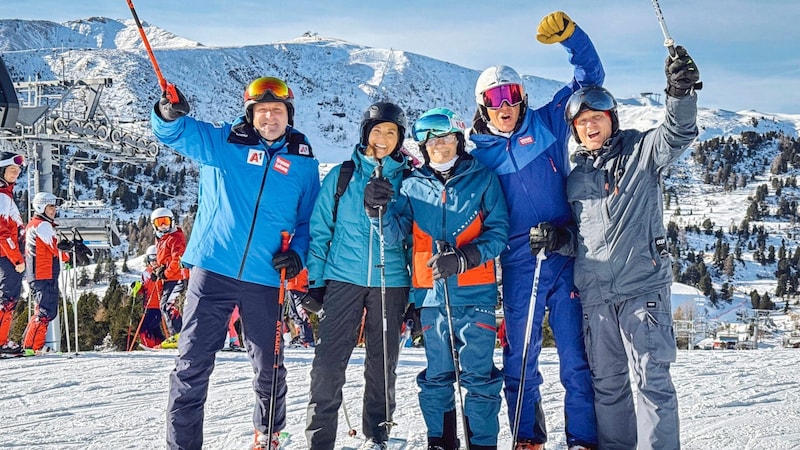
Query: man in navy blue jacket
[258,177]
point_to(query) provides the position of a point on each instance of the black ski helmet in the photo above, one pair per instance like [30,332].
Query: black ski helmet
[593,98]
[383,112]
[268,89]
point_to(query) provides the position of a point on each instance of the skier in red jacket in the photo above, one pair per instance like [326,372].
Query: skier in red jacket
[168,271]
[12,264]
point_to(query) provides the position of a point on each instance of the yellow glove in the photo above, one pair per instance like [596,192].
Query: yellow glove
[555,27]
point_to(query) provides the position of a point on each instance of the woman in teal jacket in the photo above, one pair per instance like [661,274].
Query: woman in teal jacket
[343,263]
[454,209]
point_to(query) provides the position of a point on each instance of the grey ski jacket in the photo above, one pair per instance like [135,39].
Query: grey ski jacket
[616,199]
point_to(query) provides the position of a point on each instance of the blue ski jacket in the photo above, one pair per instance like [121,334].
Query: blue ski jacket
[532,163]
[249,192]
[348,249]
[468,208]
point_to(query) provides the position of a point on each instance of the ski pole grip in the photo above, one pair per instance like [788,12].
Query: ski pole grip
[284,241]
[379,171]
[171,92]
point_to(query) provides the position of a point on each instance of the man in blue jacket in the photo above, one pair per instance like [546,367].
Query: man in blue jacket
[527,148]
[258,178]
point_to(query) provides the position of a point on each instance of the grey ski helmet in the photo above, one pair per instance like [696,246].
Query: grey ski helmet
[593,98]
[383,112]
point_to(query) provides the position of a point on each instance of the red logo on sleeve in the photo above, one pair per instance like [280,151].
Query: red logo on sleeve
[282,165]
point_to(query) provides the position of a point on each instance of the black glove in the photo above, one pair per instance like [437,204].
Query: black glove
[158,273]
[288,260]
[377,195]
[450,260]
[64,245]
[311,301]
[682,74]
[546,236]
[169,111]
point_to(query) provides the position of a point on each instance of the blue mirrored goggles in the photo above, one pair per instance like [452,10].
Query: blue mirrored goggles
[436,125]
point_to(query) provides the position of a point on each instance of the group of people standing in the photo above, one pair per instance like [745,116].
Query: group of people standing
[32,251]
[585,244]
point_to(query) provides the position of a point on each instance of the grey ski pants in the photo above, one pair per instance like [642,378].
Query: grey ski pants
[344,304]
[636,333]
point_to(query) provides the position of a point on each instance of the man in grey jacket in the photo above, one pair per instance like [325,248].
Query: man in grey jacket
[623,265]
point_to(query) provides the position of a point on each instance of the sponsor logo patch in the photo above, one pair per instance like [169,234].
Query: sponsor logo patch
[303,150]
[255,157]
[526,140]
[282,165]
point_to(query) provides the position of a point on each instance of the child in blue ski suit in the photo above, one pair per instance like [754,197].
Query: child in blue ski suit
[527,148]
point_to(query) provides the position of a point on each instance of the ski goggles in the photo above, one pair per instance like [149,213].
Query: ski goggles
[513,94]
[162,221]
[18,160]
[151,258]
[596,99]
[259,88]
[436,125]
[441,140]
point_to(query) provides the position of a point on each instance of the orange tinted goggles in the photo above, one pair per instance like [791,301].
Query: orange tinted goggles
[261,86]
[162,221]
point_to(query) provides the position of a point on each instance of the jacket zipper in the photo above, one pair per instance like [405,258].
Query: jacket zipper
[255,212]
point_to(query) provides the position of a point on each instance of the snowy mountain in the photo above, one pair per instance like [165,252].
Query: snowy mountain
[334,81]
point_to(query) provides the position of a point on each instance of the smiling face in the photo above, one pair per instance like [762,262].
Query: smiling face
[382,140]
[505,117]
[593,128]
[270,119]
[442,149]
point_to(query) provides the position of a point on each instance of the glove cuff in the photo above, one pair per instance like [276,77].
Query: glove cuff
[471,256]
[673,91]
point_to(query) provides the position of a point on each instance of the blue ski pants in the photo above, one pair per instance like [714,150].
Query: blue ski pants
[556,292]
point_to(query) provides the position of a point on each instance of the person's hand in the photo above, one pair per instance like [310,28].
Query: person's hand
[554,28]
[20,267]
[288,260]
[450,260]
[172,111]
[377,195]
[546,236]
[682,73]
[311,301]
[64,245]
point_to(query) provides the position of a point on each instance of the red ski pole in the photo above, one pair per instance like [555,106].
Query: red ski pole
[278,333]
[168,88]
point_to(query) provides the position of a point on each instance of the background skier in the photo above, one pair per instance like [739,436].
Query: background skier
[12,262]
[168,271]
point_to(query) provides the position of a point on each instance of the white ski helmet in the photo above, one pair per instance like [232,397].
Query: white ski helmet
[161,212]
[41,200]
[496,76]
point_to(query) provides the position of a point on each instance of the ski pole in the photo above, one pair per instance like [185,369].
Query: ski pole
[668,41]
[388,423]
[351,431]
[528,329]
[168,88]
[441,246]
[278,334]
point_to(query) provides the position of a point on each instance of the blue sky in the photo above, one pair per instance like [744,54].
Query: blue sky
[747,51]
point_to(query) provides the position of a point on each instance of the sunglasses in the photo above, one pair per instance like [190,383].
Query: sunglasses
[435,125]
[441,140]
[494,97]
[261,86]
[18,160]
[151,258]
[162,221]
